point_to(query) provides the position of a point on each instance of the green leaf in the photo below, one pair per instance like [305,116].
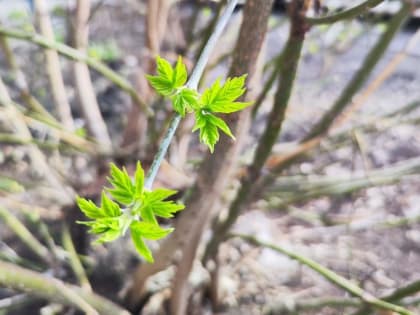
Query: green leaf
[139,180]
[149,231]
[123,189]
[161,86]
[167,209]
[221,125]
[154,204]
[159,194]
[147,214]
[110,208]
[140,245]
[208,124]
[186,100]
[108,228]
[168,79]
[121,196]
[108,236]
[221,99]
[180,74]
[90,209]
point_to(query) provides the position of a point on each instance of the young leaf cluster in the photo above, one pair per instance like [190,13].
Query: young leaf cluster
[127,205]
[217,99]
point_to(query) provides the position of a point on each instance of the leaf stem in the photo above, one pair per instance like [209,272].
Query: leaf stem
[192,84]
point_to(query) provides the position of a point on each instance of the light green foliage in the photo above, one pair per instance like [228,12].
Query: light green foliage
[168,79]
[221,98]
[127,204]
[185,100]
[208,125]
[218,98]
[132,207]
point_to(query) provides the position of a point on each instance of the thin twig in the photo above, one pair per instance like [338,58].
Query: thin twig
[20,128]
[75,263]
[84,86]
[52,289]
[16,301]
[53,67]
[192,83]
[76,55]
[330,275]
[291,307]
[291,189]
[287,72]
[344,15]
[390,68]
[361,75]
[267,87]
[397,295]
[25,235]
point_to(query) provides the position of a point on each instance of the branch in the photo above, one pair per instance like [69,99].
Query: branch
[19,126]
[16,301]
[75,262]
[291,189]
[361,75]
[192,83]
[76,55]
[287,72]
[330,275]
[292,307]
[53,67]
[14,139]
[84,87]
[20,81]
[55,290]
[346,14]
[387,71]
[397,295]
[25,235]
[217,169]
[267,87]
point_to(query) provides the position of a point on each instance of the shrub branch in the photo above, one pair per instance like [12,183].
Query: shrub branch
[346,14]
[330,275]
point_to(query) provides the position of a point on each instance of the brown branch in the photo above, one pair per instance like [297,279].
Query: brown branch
[215,170]
[279,163]
[53,67]
[84,86]
[51,289]
[270,135]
